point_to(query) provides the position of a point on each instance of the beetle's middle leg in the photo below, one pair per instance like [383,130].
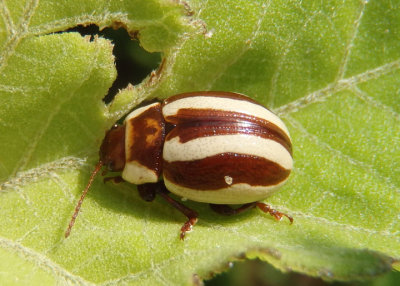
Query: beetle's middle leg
[228,210]
[148,193]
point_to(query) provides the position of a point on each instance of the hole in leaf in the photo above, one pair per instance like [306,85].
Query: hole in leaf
[133,63]
[256,272]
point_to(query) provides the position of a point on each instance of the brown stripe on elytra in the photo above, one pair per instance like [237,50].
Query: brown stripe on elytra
[209,173]
[219,94]
[146,139]
[198,129]
[185,115]
[228,120]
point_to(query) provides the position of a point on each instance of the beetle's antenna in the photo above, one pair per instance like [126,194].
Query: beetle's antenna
[84,193]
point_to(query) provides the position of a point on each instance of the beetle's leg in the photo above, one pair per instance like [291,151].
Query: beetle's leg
[115,179]
[227,210]
[277,215]
[189,213]
[148,191]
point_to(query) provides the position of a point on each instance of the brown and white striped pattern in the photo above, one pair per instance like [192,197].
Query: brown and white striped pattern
[144,133]
[225,148]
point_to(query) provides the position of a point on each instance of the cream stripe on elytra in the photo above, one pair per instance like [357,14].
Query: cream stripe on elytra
[140,110]
[240,193]
[225,104]
[203,147]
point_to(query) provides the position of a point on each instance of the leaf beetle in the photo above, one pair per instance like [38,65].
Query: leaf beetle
[214,147]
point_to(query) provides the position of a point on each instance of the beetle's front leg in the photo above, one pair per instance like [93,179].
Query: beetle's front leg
[115,179]
[148,192]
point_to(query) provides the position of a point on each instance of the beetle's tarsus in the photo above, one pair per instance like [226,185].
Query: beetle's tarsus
[276,214]
[160,189]
[187,226]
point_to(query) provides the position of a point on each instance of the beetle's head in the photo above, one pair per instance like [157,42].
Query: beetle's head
[112,150]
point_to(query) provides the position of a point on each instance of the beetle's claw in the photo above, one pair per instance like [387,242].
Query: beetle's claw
[277,215]
[289,218]
[187,226]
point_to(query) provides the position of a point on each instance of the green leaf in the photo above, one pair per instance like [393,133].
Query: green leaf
[330,70]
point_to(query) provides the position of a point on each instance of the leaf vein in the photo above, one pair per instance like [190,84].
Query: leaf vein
[247,45]
[328,91]
[8,21]
[357,163]
[42,261]
[286,49]
[14,38]
[57,107]
[373,102]
[347,52]
[32,175]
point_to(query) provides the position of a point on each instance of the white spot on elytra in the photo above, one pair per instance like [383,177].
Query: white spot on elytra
[183,199]
[209,34]
[228,180]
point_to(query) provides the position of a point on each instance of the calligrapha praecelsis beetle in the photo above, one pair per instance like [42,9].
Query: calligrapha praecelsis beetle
[220,148]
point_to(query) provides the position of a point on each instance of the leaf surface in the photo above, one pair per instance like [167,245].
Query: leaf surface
[330,70]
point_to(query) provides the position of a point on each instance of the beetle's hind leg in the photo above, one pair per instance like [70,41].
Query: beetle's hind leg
[228,210]
[148,192]
[277,215]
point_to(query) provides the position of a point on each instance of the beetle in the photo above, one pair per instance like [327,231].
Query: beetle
[214,147]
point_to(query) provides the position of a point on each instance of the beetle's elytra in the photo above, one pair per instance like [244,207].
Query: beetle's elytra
[214,147]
